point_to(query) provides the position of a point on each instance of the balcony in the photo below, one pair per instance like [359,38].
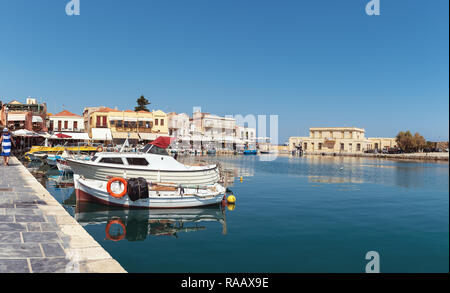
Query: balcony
[133,129]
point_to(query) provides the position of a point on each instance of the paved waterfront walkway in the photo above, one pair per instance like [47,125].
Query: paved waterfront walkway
[38,235]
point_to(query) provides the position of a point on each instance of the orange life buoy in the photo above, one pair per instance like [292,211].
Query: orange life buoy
[117,195]
[115,237]
[100,149]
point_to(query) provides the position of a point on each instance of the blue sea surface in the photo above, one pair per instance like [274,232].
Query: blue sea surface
[294,214]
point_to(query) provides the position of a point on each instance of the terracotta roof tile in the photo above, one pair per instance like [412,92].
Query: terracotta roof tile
[106,109]
[66,113]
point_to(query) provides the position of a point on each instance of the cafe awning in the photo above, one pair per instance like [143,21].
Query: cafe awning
[16,117]
[124,135]
[37,119]
[71,136]
[24,132]
[101,134]
[148,136]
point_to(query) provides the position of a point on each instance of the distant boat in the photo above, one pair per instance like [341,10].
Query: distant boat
[268,152]
[60,149]
[250,152]
[211,152]
[52,160]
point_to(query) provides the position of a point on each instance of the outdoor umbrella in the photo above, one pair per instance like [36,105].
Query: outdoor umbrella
[24,132]
[62,135]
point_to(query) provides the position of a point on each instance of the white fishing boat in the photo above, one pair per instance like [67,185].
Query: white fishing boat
[160,196]
[152,163]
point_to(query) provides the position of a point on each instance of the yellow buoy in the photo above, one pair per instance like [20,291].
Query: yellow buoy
[242,179]
[231,206]
[231,199]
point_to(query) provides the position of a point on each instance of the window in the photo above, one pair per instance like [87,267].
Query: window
[141,123]
[146,148]
[320,145]
[112,161]
[342,146]
[98,121]
[156,121]
[75,125]
[137,161]
[126,124]
[156,150]
[51,125]
[119,123]
[66,124]
[162,122]
[59,124]
[358,147]
[104,120]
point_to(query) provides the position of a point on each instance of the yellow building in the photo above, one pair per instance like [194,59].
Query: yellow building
[106,124]
[160,122]
[338,140]
[380,143]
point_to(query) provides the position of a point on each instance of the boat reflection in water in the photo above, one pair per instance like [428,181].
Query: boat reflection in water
[60,180]
[137,224]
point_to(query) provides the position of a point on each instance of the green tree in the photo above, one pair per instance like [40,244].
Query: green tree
[409,143]
[419,142]
[142,104]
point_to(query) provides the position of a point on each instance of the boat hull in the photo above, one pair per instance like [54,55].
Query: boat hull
[200,177]
[89,193]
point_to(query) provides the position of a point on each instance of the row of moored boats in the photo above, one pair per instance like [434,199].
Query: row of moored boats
[149,178]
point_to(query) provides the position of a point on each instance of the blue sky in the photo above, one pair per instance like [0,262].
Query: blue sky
[312,62]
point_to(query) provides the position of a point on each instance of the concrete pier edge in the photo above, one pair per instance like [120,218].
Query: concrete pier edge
[85,254]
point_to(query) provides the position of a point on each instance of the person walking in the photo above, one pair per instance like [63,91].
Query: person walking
[6,141]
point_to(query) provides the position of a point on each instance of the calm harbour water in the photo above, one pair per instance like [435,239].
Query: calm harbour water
[310,214]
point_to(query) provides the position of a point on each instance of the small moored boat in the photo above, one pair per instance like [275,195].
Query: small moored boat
[160,195]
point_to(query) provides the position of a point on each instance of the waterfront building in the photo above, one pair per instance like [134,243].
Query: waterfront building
[178,124]
[380,143]
[216,131]
[65,121]
[338,140]
[30,115]
[106,124]
[160,124]
[245,137]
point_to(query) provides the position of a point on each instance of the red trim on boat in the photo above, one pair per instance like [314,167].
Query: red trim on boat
[86,197]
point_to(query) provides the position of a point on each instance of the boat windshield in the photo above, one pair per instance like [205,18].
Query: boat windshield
[153,149]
